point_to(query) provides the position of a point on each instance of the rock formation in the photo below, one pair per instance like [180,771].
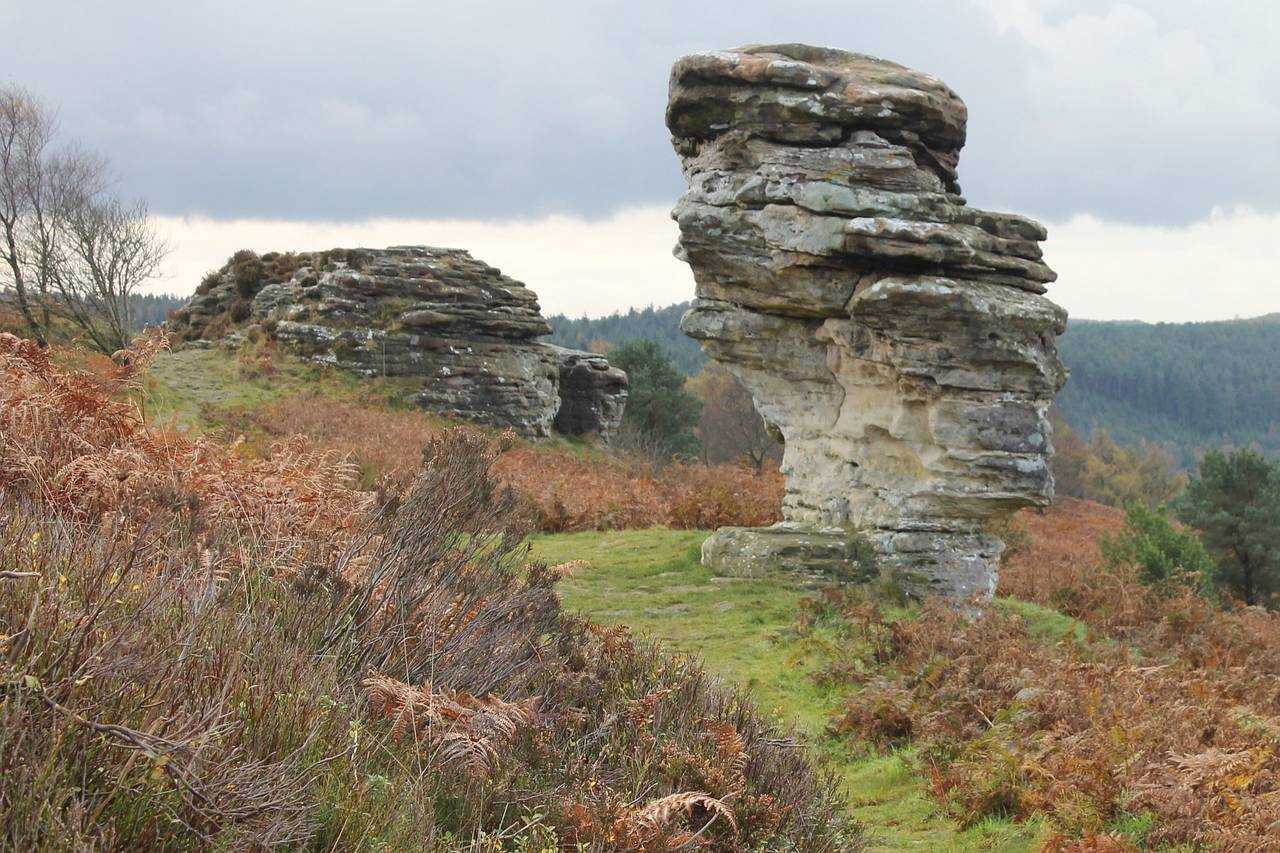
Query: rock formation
[468,331]
[896,337]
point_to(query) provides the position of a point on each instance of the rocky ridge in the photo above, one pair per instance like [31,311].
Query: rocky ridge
[470,332]
[897,338]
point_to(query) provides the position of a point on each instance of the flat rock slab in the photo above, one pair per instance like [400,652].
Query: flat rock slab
[811,555]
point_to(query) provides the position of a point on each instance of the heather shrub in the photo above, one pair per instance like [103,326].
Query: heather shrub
[1152,723]
[204,649]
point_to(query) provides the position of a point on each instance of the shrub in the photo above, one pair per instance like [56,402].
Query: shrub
[1164,555]
[248,272]
[1156,726]
[203,650]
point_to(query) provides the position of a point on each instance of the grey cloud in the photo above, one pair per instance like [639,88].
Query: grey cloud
[512,109]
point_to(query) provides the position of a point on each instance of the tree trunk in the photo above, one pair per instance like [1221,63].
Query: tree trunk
[1250,595]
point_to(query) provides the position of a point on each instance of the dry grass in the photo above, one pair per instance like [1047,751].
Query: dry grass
[213,647]
[1165,716]
[565,491]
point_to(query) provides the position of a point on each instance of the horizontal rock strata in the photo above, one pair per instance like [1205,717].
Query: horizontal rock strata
[897,338]
[470,332]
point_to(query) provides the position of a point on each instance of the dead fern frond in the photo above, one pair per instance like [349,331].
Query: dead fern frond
[570,569]
[1211,765]
[467,730]
[661,813]
[475,755]
[137,359]
[613,640]
[731,751]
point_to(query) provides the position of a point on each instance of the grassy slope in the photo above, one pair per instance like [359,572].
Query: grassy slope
[186,383]
[652,581]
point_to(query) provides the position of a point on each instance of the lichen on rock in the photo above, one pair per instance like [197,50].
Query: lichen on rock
[468,331]
[896,338]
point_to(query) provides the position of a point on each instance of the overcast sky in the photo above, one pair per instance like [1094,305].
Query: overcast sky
[1146,134]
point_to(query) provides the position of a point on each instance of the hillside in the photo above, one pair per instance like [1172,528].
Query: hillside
[1194,385]
[1057,723]
[656,324]
[237,645]
[1187,385]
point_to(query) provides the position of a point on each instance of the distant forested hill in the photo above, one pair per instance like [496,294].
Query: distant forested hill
[655,324]
[1192,385]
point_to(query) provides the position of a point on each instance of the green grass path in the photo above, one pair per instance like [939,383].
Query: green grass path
[743,630]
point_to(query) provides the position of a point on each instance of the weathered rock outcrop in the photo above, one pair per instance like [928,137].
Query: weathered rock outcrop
[593,393]
[470,332]
[896,337]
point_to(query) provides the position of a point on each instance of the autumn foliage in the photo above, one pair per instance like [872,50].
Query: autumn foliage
[71,441]
[1150,708]
[210,645]
[565,491]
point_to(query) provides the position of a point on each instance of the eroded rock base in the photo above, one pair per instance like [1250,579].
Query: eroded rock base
[823,556]
[919,564]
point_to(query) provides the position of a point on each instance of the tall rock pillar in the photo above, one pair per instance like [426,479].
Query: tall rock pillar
[896,338]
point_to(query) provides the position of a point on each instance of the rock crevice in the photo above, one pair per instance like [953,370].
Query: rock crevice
[897,338]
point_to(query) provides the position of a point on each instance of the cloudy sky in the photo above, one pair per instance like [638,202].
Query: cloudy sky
[1146,134]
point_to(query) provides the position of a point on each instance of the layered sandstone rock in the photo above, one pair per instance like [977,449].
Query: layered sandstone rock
[895,337]
[468,331]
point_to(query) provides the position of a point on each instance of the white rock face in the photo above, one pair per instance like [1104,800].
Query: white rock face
[895,337]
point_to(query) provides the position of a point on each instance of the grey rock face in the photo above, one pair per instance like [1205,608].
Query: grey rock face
[812,555]
[593,393]
[470,332]
[894,336]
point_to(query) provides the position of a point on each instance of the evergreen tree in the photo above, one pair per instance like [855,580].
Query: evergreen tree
[660,414]
[1235,504]
[654,324]
[148,309]
[1162,553]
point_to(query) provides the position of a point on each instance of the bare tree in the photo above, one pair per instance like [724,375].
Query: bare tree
[731,429]
[26,127]
[110,249]
[68,247]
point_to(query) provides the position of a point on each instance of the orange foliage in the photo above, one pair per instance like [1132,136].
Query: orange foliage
[1049,549]
[1166,704]
[564,492]
[69,440]
[568,494]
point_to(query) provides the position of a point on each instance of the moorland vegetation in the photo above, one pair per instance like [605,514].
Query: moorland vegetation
[209,645]
[273,629]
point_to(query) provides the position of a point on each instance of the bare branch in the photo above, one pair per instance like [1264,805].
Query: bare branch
[68,247]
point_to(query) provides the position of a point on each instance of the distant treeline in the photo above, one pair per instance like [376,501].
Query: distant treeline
[152,310]
[1194,385]
[144,309]
[1187,386]
[654,324]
